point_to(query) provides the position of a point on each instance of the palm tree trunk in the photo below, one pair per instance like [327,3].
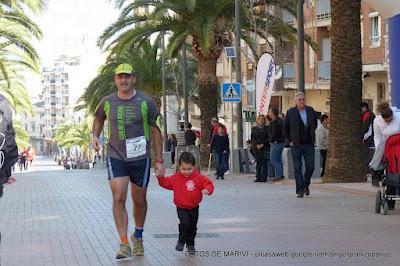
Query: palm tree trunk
[345,162]
[207,102]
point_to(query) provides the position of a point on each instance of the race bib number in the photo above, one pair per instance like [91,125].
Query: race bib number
[136,147]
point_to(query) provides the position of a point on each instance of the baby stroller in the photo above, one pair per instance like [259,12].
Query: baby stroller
[388,193]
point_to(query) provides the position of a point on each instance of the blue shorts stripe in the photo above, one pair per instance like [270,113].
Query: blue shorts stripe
[109,168]
[146,174]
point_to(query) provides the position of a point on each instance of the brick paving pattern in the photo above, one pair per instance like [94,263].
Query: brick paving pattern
[62,217]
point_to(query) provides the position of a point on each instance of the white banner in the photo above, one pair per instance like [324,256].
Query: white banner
[265,79]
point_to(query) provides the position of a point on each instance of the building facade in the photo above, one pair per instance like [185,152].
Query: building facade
[53,105]
[318,63]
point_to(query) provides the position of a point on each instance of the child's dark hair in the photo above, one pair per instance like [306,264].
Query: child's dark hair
[323,117]
[187,157]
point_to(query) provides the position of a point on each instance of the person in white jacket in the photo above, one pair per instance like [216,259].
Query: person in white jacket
[386,124]
[322,139]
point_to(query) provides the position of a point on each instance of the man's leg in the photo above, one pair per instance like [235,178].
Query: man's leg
[139,204]
[119,188]
[140,174]
[298,175]
[309,159]
[323,161]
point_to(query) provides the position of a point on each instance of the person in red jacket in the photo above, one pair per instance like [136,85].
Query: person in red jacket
[188,186]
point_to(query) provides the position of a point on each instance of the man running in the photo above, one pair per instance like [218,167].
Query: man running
[132,125]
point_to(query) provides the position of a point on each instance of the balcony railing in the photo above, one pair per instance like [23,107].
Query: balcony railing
[288,72]
[324,70]
[323,9]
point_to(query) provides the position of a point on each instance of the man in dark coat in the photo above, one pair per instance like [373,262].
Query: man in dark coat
[299,130]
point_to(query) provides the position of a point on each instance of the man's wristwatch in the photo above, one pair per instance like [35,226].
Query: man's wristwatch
[160,161]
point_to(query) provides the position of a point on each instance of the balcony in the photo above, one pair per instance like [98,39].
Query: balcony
[323,9]
[324,71]
[323,13]
[288,72]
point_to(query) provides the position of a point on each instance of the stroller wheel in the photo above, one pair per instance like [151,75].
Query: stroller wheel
[378,201]
[384,207]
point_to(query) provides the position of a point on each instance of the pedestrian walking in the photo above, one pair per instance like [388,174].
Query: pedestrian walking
[220,148]
[174,143]
[322,140]
[190,136]
[259,138]
[188,186]
[277,143]
[133,121]
[299,130]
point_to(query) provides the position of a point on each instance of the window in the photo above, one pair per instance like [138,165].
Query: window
[323,9]
[381,92]
[311,56]
[287,17]
[375,30]
[251,98]
[362,31]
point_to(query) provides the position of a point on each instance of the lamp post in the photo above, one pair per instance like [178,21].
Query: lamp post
[185,88]
[164,89]
[300,45]
[239,127]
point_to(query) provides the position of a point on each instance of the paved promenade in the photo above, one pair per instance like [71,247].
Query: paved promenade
[51,216]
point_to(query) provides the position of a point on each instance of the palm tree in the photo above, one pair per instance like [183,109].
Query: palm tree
[16,94]
[21,136]
[68,136]
[207,25]
[16,32]
[345,99]
[147,66]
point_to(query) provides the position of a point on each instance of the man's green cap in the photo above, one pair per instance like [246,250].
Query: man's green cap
[124,69]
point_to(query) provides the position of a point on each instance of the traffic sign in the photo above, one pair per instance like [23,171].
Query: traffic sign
[230,52]
[231,92]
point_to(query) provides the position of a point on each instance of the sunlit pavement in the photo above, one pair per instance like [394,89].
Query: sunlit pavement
[51,216]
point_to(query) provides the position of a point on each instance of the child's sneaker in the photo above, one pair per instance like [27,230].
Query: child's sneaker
[179,246]
[191,250]
[124,252]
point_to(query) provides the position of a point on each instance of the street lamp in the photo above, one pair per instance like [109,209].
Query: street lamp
[300,45]
[164,89]
[239,127]
[185,87]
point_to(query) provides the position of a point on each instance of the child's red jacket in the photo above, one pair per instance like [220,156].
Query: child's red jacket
[187,190]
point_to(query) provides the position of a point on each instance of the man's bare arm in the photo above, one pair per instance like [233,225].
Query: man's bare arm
[97,127]
[157,138]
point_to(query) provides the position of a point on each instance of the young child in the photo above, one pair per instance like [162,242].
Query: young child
[188,186]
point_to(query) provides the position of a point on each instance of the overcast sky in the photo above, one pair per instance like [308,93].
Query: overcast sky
[72,27]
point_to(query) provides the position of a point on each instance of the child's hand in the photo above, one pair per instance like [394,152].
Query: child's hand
[205,191]
[160,176]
